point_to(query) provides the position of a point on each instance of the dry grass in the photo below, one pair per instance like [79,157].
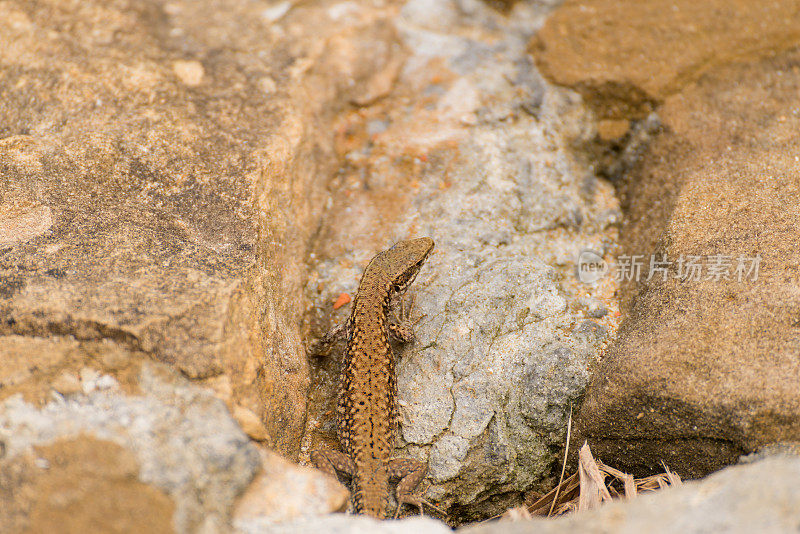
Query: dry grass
[594,484]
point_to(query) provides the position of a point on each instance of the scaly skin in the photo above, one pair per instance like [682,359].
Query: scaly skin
[367,410]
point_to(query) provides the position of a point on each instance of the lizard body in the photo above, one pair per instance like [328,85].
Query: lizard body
[367,406]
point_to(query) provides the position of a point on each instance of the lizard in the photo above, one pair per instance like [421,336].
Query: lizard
[367,413]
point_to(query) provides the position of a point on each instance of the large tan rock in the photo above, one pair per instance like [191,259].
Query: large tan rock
[162,169]
[706,370]
[625,57]
[80,485]
[703,370]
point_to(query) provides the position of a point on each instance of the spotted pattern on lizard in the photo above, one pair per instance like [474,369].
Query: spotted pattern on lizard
[367,406]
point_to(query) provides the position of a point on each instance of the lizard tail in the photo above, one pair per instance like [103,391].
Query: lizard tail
[371,492]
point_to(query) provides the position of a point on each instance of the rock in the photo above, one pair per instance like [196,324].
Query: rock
[19,225]
[175,447]
[759,497]
[250,423]
[348,524]
[612,130]
[81,484]
[189,72]
[486,389]
[608,51]
[706,370]
[67,383]
[780,448]
[703,370]
[285,492]
[162,174]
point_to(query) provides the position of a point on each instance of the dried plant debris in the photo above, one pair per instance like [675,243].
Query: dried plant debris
[592,485]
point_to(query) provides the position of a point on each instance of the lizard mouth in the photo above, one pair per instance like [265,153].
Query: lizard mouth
[408,277]
[402,286]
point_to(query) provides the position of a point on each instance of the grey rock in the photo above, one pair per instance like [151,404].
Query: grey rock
[486,389]
[489,385]
[760,497]
[590,330]
[184,440]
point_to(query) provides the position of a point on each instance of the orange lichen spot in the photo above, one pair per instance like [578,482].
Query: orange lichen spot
[343,299]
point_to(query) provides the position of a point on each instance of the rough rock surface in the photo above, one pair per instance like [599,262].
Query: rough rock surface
[99,458]
[704,369]
[760,497]
[162,179]
[472,150]
[162,168]
[625,57]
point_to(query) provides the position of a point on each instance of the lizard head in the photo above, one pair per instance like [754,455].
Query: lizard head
[404,260]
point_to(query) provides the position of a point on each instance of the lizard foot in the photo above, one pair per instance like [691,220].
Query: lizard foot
[410,472]
[401,327]
[415,500]
[333,462]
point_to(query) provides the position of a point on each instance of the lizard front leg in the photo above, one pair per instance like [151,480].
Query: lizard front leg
[410,472]
[401,329]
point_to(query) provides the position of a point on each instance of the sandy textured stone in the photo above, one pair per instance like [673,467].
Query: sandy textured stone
[80,485]
[626,56]
[761,497]
[154,195]
[706,370]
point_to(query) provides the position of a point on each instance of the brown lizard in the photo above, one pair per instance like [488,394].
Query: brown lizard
[367,410]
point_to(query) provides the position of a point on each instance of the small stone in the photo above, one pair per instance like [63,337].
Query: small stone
[276,12]
[89,378]
[612,130]
[284,491]
[267,85]
[24,225]
[189,72]
[250,423]
[115,359]
[67,383]
[590,329]
[106,382]
[597,312]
